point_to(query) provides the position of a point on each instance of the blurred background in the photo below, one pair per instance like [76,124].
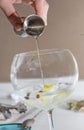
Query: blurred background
[65,29]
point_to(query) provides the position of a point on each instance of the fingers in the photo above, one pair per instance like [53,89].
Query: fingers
[7,7]
[9,10]
[41,8]
[16,21]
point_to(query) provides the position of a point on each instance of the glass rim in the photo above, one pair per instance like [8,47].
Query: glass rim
[44,51]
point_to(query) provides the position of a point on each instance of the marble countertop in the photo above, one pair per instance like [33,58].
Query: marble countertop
[63,119]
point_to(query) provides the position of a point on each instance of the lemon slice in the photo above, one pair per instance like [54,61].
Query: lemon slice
[48,86]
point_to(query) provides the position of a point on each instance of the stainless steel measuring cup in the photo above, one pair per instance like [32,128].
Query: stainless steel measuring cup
[33,25]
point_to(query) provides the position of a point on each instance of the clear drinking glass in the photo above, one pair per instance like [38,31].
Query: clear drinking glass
[44,80]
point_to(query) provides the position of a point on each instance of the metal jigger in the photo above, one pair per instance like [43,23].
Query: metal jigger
[33,25]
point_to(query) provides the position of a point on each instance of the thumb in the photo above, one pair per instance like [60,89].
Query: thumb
[41,9]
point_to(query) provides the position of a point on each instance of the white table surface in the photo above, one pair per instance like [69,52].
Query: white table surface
[63,119]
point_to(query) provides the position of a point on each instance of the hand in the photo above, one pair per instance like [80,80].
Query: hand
[40,7]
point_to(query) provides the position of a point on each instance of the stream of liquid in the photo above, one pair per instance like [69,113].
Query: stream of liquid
[39,59]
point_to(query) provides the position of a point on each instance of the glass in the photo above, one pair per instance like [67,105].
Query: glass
[44,80]
[13,126]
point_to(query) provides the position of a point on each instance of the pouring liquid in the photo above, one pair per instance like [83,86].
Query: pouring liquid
[39,59]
